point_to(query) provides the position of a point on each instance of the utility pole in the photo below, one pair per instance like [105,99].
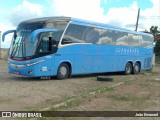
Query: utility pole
[137,19]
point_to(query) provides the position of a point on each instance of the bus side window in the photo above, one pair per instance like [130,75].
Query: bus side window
[146,41]
[73,34]
[44,46]
[107,37]
[133,40]
[122,38]
[92,35]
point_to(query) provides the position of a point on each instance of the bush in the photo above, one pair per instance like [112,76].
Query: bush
[157,48]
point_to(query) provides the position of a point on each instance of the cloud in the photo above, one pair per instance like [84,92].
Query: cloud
[25,11]
[20,13]
[92,10]
[123,16]
[3,28]
[151,16]
[127,16]
[88,10]
[84,9]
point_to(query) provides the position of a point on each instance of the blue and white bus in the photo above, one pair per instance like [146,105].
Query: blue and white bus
[64,46]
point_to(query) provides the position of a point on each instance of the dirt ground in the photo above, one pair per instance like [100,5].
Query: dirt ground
[125,93]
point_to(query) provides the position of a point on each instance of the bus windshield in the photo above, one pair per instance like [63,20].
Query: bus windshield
[21,48]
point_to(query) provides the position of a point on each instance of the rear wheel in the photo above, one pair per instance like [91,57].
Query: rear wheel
[136,68]
[63,71]
[128,69]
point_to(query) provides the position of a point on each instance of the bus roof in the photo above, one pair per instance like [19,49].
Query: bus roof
[46,19]
[85,22]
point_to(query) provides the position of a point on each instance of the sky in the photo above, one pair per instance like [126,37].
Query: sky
[122,13]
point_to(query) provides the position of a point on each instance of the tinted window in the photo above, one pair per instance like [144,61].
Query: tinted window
[21,47]
[44,43]
[88,34]
[81,34]
[74,34]
[146,41]
[107,37]
[91,35]
[59,26]
[121,38]
[133,39]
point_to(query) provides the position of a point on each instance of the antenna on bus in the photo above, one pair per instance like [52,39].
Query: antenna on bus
[137,19]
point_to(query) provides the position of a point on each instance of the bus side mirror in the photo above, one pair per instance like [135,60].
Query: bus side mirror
[35,33]
[7,32]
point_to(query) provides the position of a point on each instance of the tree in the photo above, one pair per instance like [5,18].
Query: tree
[154,30]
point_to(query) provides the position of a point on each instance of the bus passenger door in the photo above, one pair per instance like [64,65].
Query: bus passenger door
[45,68]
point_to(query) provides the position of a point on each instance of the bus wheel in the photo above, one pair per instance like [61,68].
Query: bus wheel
[128,69]
[136,68]
[63,71]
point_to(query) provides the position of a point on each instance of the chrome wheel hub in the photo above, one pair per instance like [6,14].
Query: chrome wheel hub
[63,71]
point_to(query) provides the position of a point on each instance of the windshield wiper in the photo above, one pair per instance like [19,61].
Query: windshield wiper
[15,50]
[17,47]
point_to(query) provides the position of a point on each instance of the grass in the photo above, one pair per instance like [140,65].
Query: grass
[126,97]
[72,101]
[146,84]
[4,100]
[104,90]
[150,72]
[136,101]
[87,95]
[132,99]
[149,84]
[127,81]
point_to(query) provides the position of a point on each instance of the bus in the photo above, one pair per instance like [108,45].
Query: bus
[65,46]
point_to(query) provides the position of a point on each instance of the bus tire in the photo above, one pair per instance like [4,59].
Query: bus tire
[128,69]
[136,68]
[63,71]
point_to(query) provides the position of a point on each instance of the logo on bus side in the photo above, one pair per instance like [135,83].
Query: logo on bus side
[126,50]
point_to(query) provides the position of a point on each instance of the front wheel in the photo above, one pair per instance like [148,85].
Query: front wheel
[63,71]
[128,69]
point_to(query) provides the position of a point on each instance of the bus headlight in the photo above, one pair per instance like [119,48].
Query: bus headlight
[16,66]
[31,64]
[27,65]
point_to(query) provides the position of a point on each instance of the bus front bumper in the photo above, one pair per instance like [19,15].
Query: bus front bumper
[20,70]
